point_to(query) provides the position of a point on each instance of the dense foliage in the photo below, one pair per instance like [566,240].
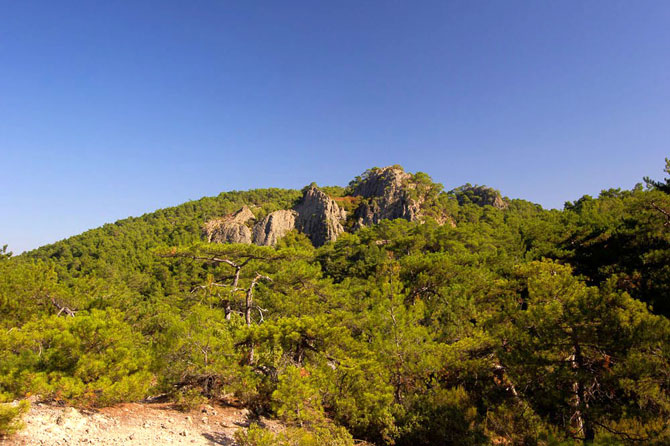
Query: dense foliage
[517,326]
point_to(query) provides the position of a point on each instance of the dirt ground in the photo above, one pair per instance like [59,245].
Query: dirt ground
[134,423]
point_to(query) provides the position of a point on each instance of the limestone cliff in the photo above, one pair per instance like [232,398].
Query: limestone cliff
[273,227]
[380,193]
[387,196]
[316,215]
[319,216]
[230,229]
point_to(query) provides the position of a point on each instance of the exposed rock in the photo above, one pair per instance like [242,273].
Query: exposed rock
[243,215]
[319,216]
[387,194]
[499,203]
[274,226]
[231,228]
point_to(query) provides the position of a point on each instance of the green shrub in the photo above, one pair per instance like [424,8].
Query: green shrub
[327,435]
[92,359]
[10,417]
[255,436]
[189,399]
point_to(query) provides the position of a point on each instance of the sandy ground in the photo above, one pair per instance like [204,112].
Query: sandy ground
[134,423]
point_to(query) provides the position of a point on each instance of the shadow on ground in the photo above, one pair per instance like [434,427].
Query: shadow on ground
[219,438]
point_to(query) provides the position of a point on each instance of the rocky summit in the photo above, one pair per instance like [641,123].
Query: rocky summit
[386,193]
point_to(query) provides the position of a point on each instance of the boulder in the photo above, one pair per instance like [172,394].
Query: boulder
[274,226]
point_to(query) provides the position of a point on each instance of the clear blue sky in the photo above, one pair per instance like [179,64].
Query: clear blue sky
[116,108]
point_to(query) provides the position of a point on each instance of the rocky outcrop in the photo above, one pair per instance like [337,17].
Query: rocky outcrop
[230,229]
[274,226]
[387,196]
[319,216]
[499,203]
[379,194]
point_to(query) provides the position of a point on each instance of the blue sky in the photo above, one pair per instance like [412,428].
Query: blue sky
[111,109]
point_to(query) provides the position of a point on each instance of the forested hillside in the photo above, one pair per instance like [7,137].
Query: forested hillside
[389,312]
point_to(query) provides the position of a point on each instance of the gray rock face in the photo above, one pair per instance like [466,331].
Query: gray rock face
[319,217]
[274,226]
[499,203]
[243,215]
[231,228]
[387,194]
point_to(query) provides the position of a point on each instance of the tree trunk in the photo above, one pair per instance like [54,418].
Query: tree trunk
[248,303]
[581,404]
[236,280]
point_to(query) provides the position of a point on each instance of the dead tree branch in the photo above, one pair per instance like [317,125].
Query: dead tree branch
[662,211]
[63,309]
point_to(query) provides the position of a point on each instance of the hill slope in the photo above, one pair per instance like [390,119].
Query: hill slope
[389,311]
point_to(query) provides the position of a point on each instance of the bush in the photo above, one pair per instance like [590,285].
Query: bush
[10,417]
[189,399]
[92,359]
[255,436]
[320,436]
